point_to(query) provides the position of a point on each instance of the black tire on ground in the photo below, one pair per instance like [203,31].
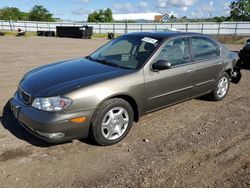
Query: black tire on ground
[96,129]
[214,95]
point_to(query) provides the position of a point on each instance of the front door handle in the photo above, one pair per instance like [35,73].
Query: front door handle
[189,71]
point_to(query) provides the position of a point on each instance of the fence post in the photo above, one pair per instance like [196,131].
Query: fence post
[2,25]
[113,28]
[141,26]
[235,29]
[25,27]
[10,25]
[126,27]
[186,27]
[36,26]
[219,29]
[99,28]
[202,28]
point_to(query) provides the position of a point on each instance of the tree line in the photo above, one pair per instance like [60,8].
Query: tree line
[37,13]
[101,16]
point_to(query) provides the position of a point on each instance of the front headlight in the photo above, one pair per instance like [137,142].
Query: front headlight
[51,104]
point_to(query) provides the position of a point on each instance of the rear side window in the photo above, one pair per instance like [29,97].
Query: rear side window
[204,48]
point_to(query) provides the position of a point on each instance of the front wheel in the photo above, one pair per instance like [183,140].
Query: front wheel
[221,88]
[112,121]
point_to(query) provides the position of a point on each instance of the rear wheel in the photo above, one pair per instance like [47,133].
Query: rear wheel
[221,88]
[112,121]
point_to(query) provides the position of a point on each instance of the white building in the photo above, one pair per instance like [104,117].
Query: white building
[136,16]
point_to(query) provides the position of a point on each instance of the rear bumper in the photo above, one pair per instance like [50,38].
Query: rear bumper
[50,126]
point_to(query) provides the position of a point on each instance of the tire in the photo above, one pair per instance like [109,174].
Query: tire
[111,122]
[221,88]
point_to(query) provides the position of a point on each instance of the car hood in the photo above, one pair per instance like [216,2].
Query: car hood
[59,78]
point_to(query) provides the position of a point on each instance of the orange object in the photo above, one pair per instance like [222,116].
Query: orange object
[79,120]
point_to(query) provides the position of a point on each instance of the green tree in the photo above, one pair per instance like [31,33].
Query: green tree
[101,16]
[220,19]
[39,13]
[10,13]
[93,17]
[172,17]
[109,15]
[24,16]
[240,10]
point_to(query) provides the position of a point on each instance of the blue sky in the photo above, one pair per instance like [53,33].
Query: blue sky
[78,10]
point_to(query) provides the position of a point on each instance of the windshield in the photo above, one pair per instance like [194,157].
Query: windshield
[128,51]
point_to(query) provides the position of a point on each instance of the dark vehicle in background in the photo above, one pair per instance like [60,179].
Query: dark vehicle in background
[244,54]
[135,74]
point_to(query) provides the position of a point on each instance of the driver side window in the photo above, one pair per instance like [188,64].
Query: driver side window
[176,52]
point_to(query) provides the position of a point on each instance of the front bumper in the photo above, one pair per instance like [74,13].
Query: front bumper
[53,127]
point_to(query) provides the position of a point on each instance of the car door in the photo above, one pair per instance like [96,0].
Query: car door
[208,63]
[169,86]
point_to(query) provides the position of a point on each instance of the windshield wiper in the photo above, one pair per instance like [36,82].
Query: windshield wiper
[90,58]
[105,62]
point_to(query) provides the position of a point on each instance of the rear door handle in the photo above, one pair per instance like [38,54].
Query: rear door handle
[189,71]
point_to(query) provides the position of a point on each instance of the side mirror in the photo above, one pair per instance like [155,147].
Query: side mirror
[161,65]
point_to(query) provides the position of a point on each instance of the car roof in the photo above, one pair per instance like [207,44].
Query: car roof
[164,34]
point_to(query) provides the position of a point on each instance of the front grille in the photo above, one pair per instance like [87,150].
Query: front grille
[26,97]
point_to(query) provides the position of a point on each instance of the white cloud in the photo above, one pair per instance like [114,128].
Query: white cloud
[206,10]
[182,5]
[172,13]
[80,11]
[84,1]
[184,9]
[175,3]
[226,8]
[142,6]
[123,7]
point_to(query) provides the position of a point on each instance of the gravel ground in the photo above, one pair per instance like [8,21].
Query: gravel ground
[198,143]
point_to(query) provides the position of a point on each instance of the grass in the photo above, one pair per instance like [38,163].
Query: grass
[97,35]
[32,34]
[230,39]
[14,33]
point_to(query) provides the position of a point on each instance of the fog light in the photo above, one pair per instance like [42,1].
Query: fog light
[51,135]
